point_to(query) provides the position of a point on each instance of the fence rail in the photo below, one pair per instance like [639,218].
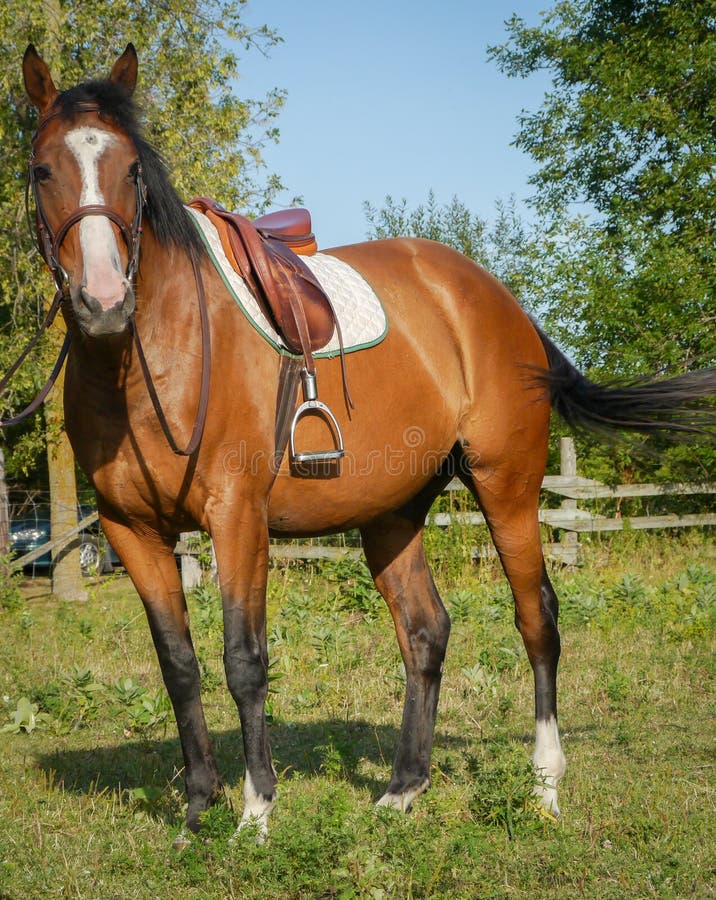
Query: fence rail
[571,519]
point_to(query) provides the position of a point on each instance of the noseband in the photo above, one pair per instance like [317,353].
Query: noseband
[50,242]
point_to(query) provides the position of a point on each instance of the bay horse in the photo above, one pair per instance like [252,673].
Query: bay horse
[462,383]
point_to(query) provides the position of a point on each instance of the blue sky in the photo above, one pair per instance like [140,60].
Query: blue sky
[392,98]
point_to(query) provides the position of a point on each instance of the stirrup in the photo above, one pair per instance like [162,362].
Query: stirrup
[311,404]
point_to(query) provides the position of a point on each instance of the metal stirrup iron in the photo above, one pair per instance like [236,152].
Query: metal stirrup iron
[312,405]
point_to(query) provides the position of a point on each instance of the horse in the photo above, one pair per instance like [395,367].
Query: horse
[463,383]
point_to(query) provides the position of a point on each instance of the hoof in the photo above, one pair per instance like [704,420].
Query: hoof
[403,801]
[181,842]
[546,797]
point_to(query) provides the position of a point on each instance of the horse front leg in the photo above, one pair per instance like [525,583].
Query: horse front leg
[150,563]
[242,563]
[396,558]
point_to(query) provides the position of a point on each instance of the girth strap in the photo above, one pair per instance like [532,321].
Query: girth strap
[288,380]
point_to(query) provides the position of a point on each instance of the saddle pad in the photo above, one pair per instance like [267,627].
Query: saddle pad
[360,313]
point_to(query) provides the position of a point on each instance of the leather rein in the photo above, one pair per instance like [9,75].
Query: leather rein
[49,243]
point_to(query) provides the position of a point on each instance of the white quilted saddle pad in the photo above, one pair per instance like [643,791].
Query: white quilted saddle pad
[359,311]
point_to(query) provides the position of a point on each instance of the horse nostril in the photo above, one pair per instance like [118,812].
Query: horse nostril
[92,304]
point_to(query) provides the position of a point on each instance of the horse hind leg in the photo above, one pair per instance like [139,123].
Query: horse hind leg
[394,551]
[510,510]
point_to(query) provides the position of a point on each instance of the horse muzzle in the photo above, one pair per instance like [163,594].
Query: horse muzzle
[103,316]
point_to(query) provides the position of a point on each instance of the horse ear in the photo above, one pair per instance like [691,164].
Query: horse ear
[124,71]
[38,81]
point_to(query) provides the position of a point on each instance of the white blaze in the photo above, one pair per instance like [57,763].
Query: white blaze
[102,275]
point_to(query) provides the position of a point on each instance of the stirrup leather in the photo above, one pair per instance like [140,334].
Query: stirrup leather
[312,405]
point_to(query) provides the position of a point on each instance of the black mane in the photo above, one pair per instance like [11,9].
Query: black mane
[171,223]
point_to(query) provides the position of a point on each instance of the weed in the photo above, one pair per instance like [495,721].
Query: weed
[11,598]
[355,590]
[206,608]
[146,799]
[143,710]
[617,686]
[480,679]
[503,795]
[338,759]
[210,681]
[328,640]
[26,717]
[85,627]
[461,605]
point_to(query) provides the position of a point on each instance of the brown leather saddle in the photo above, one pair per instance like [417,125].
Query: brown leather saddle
[266,253]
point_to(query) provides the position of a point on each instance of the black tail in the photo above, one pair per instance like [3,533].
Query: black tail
[651,406]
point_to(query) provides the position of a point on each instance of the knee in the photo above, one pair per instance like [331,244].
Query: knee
[549,601]
[246,672]
[428,643]
[178,663]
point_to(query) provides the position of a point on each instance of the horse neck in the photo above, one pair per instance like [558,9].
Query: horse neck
[167,289]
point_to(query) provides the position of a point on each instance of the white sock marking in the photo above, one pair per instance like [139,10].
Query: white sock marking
[256,810]
[550,764]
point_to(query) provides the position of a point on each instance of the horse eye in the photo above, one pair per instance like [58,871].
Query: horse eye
[133,170]
[41,173]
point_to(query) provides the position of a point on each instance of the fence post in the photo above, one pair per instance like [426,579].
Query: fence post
[190,568]
[568,467]
[4,516]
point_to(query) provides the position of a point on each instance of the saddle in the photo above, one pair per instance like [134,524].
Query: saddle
[266,253]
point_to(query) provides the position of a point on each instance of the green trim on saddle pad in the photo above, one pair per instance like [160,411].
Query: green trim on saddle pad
[260,323]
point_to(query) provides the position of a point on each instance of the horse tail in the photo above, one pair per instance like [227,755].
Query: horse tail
[647,405]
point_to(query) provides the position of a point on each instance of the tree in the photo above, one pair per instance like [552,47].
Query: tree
[628,131]
[189,61]
[505,247]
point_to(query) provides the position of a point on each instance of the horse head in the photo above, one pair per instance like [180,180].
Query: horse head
[85,175]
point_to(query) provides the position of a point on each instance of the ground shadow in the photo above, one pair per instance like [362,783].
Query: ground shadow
[298,748]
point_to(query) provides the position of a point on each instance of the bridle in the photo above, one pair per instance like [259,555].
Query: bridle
[50,242]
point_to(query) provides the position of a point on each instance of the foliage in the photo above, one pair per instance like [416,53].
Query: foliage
[26,717]
[10,595]
[144,710]
[207,613]
[618,262]
[353,583]
[629,129]
[503,795]
[91,812]
[501,246]
[190,55]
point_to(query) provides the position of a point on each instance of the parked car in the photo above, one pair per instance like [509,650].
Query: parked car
[32,530]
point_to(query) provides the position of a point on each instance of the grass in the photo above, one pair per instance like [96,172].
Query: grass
[91,790]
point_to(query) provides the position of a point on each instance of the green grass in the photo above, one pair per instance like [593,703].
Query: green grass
[91,790]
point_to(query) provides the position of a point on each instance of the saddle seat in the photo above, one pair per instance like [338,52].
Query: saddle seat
[292,227]
[264,252]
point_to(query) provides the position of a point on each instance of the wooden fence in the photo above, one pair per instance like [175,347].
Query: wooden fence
[570,518]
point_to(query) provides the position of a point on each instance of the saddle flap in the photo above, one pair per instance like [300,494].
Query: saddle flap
[292,296]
